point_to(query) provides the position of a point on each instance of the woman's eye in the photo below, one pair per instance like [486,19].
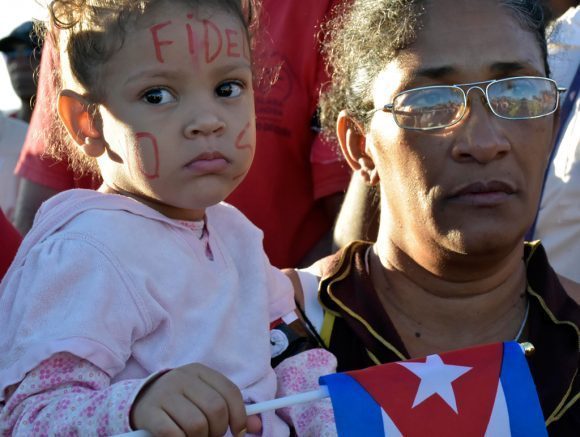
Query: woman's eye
[229,89]
[158,96]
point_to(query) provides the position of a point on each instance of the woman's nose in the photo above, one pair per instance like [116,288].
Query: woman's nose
[480,136]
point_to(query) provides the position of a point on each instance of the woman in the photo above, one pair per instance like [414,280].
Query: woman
[459,170]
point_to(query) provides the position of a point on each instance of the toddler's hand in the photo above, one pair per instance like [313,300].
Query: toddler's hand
[191,400]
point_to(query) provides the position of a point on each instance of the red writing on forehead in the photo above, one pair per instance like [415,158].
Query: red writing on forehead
[241,141]
[210,38]
[191,42]
[231,43]
[147,156]
[208,27]
[157,43]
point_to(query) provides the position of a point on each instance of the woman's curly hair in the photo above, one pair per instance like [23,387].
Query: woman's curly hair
[366,35]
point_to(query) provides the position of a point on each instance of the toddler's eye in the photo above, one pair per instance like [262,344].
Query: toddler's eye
[158,96]
[229,89]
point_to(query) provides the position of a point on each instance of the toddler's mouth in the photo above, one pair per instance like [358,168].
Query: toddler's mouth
[208,162]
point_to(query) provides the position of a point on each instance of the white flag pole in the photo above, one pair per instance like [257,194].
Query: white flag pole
[287,401]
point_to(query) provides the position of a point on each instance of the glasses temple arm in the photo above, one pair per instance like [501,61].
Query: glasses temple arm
[387,108]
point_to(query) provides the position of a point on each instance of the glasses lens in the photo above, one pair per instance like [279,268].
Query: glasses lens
[523,97]
[429,108]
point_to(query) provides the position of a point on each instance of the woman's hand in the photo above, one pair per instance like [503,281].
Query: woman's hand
[192,400]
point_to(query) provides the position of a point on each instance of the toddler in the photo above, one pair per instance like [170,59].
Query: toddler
[146,304]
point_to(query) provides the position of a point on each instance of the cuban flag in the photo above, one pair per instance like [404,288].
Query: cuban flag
[481,391]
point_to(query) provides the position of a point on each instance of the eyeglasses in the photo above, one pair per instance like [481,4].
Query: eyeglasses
[439,106]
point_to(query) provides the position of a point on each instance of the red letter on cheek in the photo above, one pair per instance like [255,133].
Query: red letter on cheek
[206,26]
[154,172]
[240,137]
[231,44]
[156,42]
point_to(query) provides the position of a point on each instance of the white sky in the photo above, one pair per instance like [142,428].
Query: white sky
[12,13]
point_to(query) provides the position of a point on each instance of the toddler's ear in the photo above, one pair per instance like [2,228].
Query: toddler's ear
[75,112]
[353,143]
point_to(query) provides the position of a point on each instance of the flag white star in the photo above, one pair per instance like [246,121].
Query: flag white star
[436,378]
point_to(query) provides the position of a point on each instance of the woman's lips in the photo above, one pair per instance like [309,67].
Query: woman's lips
[483,193]
[208,163]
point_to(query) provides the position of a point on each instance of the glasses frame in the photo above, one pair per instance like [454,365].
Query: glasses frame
[389,107]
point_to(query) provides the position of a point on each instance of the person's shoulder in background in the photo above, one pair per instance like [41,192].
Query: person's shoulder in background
[564,46]
[12,134]
[10,124]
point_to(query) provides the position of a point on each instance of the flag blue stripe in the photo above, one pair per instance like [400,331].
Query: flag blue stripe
[526,417]
[356,413]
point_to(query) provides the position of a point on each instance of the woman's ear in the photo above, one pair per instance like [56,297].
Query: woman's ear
[353,143]
[75,112]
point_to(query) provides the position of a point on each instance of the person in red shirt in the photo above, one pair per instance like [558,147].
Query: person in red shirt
[43,176]
[9,241]
[295,186]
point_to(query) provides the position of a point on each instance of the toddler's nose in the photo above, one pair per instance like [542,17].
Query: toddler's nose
[204,125]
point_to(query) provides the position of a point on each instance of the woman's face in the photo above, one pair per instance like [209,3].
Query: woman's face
[474,186]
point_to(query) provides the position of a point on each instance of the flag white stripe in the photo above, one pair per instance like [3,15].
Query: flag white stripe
[499,422]
[389,426]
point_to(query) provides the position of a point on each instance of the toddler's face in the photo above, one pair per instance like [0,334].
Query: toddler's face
[178,116]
